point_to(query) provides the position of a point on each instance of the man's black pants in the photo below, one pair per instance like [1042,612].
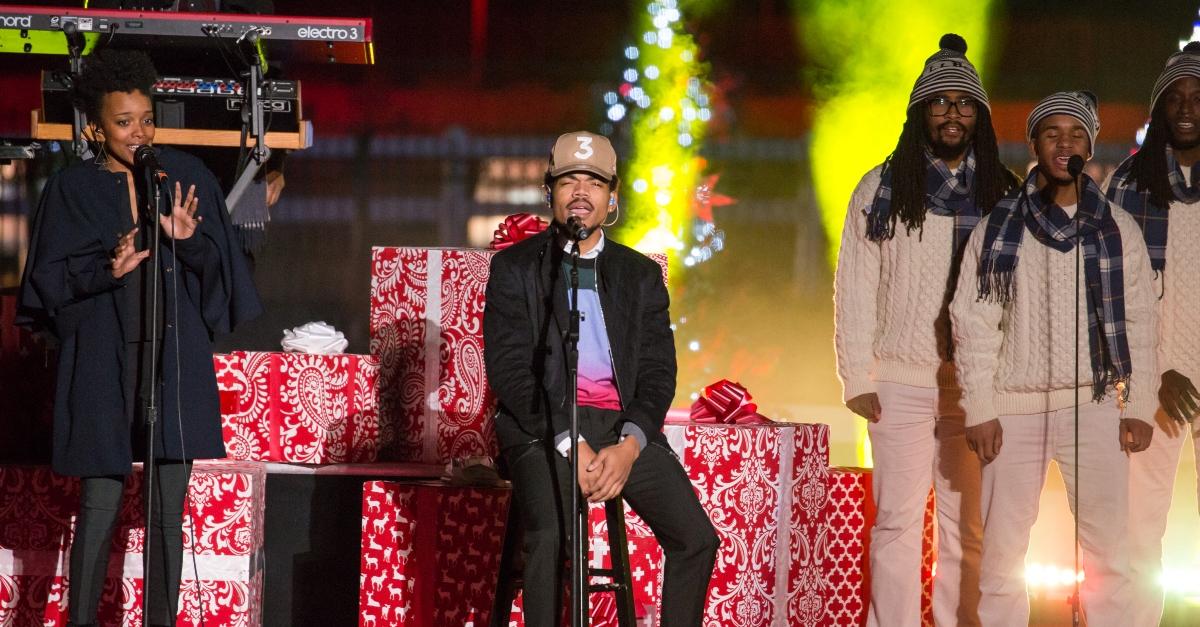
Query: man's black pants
[657,489]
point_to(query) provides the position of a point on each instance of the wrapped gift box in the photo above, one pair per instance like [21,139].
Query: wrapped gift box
[430,553]
[849,514]
[427,331]
[299,408]
[809,494]
[431,556]
[749,478]
[645,566]
[37,511]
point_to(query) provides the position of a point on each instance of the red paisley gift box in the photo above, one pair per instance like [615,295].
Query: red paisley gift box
[299,408]
[223,532]
[427,332]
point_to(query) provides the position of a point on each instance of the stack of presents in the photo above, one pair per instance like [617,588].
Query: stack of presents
[794,532]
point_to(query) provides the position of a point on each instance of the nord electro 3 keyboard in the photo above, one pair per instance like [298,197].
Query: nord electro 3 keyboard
[193,103]
[23,29]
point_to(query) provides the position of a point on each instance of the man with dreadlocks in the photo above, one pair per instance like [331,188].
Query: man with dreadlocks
[1054,304]
[1156,185]
[893,338]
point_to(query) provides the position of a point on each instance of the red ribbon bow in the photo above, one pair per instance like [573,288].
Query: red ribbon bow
[515,228]
[726,402]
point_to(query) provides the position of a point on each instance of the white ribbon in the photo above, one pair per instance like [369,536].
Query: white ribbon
[433,346]
[18,563]
[783,518]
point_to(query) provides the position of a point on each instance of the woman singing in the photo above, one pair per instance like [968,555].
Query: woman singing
[89,279]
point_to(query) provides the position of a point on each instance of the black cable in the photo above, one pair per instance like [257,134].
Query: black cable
[187,494]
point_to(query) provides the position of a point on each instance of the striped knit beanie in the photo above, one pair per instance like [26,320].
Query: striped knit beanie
[1186,62]
[948,70]
[1080,105]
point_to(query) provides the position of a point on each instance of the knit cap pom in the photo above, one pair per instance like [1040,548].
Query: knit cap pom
[950,41]
[1192,47]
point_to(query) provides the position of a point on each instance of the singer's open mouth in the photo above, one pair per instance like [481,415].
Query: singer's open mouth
[580,209]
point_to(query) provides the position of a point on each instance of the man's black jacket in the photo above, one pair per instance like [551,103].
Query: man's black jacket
[524,324]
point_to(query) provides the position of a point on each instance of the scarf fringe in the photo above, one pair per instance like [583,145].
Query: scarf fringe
[996,287]
[1104,380]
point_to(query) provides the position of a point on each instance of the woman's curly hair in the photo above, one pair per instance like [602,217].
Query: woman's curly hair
[107,71]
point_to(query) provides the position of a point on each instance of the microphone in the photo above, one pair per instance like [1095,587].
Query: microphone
[576,229]
[1075,166]
[145,157]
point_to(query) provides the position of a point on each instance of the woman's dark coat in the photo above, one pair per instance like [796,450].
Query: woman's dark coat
[68,288]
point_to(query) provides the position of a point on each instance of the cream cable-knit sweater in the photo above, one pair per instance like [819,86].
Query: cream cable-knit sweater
[890,301]
[1179,308]
[1018,358]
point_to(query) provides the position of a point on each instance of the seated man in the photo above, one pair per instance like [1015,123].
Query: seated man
[626,381]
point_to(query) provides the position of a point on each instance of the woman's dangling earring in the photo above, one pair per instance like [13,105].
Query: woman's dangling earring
[101,151]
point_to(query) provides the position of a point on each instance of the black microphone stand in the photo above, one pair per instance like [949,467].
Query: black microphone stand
[1076,602]
[154,184]
[578,506]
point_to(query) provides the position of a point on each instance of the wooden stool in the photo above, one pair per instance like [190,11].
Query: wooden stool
[620,583]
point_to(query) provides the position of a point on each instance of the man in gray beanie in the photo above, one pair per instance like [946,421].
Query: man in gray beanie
[1053,310]
[1156,185]
[905,229]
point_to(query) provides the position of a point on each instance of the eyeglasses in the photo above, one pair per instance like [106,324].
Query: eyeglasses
[940,105]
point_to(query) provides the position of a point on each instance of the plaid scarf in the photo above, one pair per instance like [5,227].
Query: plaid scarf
[946,194]
[1151,218]
[1024,209]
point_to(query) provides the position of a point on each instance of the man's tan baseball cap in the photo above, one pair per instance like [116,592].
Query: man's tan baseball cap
[582,151]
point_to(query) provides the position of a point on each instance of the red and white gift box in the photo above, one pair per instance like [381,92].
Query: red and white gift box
[299,408]
[225,511]
[427,331]
[430,553]
[849,515]
[751,479]
[645,566]
[431,556]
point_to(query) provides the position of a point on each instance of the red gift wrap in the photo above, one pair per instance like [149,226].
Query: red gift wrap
[430,553]
[425,543]
[850,513]
[299,408]
[37,511]
[431,556]
[806,546]
[750,478]
[427,332]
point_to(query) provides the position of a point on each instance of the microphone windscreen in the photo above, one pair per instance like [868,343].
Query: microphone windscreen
[1075,165]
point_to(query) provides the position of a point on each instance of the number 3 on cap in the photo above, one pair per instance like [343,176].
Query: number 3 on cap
[585,147]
